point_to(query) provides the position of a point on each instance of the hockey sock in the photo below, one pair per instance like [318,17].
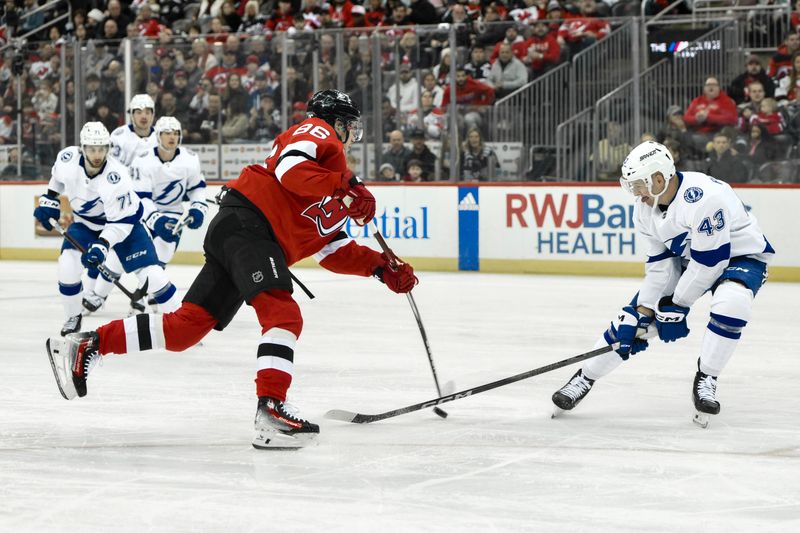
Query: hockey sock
[174,331]
[69,282]
[104,284]
[603,364]
[731,308]
[91,279]
[281,324]
[160,288]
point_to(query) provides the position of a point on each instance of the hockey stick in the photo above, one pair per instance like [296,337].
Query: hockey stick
[358,418]
[134,296]
[182,221]
[393,261]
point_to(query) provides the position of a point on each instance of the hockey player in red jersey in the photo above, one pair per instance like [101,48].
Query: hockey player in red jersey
[270,217]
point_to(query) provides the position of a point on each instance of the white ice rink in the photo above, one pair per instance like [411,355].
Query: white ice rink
[162,441]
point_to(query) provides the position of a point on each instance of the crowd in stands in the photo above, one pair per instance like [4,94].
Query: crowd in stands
[216,66]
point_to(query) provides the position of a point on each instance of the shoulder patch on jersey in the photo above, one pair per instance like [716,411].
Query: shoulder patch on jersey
[66,156]
[118,131]
[113,177]
[693,194]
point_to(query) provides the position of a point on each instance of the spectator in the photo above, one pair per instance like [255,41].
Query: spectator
[362,95]
[675,129]
[769,118]
[611,152]
[205,59]
[388,119]
[375,13]
[259,90]
[397,153]
[441,71]
[787,86]
[121,16]
[92,95]
[387,173]
[542,49]
[94,23]
[235,91]
[205,124]
[512,38]
[423,12]
[712,110]
[781,63]
[44,100]
[413,171]
[264,120]
[358,17]
[404,94]
[583,30]
[114,95]
[422,153]
[296,87]
[29,169]
[739,89]
[230,16]
[478,162]
[760,146]
[167,105]
[478,68]
[472,97]
[508,73]
[724,163]
[755,92]
[182,96]
[436,90]
[340,13]
[253,21]
[489,32]
[110,120]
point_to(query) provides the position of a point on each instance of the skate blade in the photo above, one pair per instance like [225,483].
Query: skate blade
[268,440]
[62,374]
[701,419]
[557,411]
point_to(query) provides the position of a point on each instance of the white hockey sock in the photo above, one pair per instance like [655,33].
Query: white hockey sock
[69,282]
[731,308]
[601,365]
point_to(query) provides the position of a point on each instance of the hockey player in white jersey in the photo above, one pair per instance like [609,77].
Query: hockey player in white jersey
[162,177]
[137,137]
[107,215]
[700,237]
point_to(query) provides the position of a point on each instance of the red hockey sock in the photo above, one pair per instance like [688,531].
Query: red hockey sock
[281,324]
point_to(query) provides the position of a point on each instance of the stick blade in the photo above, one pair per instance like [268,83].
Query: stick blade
[341,415]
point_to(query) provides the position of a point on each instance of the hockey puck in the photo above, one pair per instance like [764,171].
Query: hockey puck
[440,412]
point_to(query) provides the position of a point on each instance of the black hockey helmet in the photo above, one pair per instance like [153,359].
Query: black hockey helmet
[331,105]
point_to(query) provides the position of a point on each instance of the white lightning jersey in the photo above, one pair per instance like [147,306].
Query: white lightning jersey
[704,227]
[105,203]
[126,145]
[162,185]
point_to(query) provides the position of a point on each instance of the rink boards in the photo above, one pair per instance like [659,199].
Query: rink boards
[553,228]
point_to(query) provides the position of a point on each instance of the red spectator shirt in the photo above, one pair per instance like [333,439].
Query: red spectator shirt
[219,75]
[574,25]
[772,122]
[472,93]
[780,64]
[721,112]
[547,45]
[294,191]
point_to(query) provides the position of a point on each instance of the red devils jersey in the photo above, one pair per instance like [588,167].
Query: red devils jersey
[303,170]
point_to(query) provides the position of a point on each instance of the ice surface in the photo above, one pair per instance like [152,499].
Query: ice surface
[162,441]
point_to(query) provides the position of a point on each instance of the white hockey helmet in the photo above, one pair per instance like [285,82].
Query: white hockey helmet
[165,124]
[643,162]
[94,134]
[141,101]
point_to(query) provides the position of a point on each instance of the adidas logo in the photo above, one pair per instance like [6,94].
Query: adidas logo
[468,203]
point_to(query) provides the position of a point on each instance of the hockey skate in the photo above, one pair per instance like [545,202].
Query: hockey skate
[72,325]
[92,302]
[72,358]
[278,426]
[570,395]
[704,393]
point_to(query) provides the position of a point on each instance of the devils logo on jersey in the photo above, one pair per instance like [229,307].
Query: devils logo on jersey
[328,214]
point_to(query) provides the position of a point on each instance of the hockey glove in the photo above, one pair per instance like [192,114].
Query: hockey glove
[196,214]
[398,276]
[96,254]
[49,207]
[359,204]
[162,225]
[624,330]
[671,320]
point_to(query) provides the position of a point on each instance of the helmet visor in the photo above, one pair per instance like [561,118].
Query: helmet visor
[635,187]
[355,128]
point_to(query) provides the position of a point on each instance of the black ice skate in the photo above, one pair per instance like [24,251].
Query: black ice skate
[92,302]
[570,395]
[704,394]
[279,426]
[72,358]
[72,325]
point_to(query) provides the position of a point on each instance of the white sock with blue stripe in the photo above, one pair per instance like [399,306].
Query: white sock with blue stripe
[731,308]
